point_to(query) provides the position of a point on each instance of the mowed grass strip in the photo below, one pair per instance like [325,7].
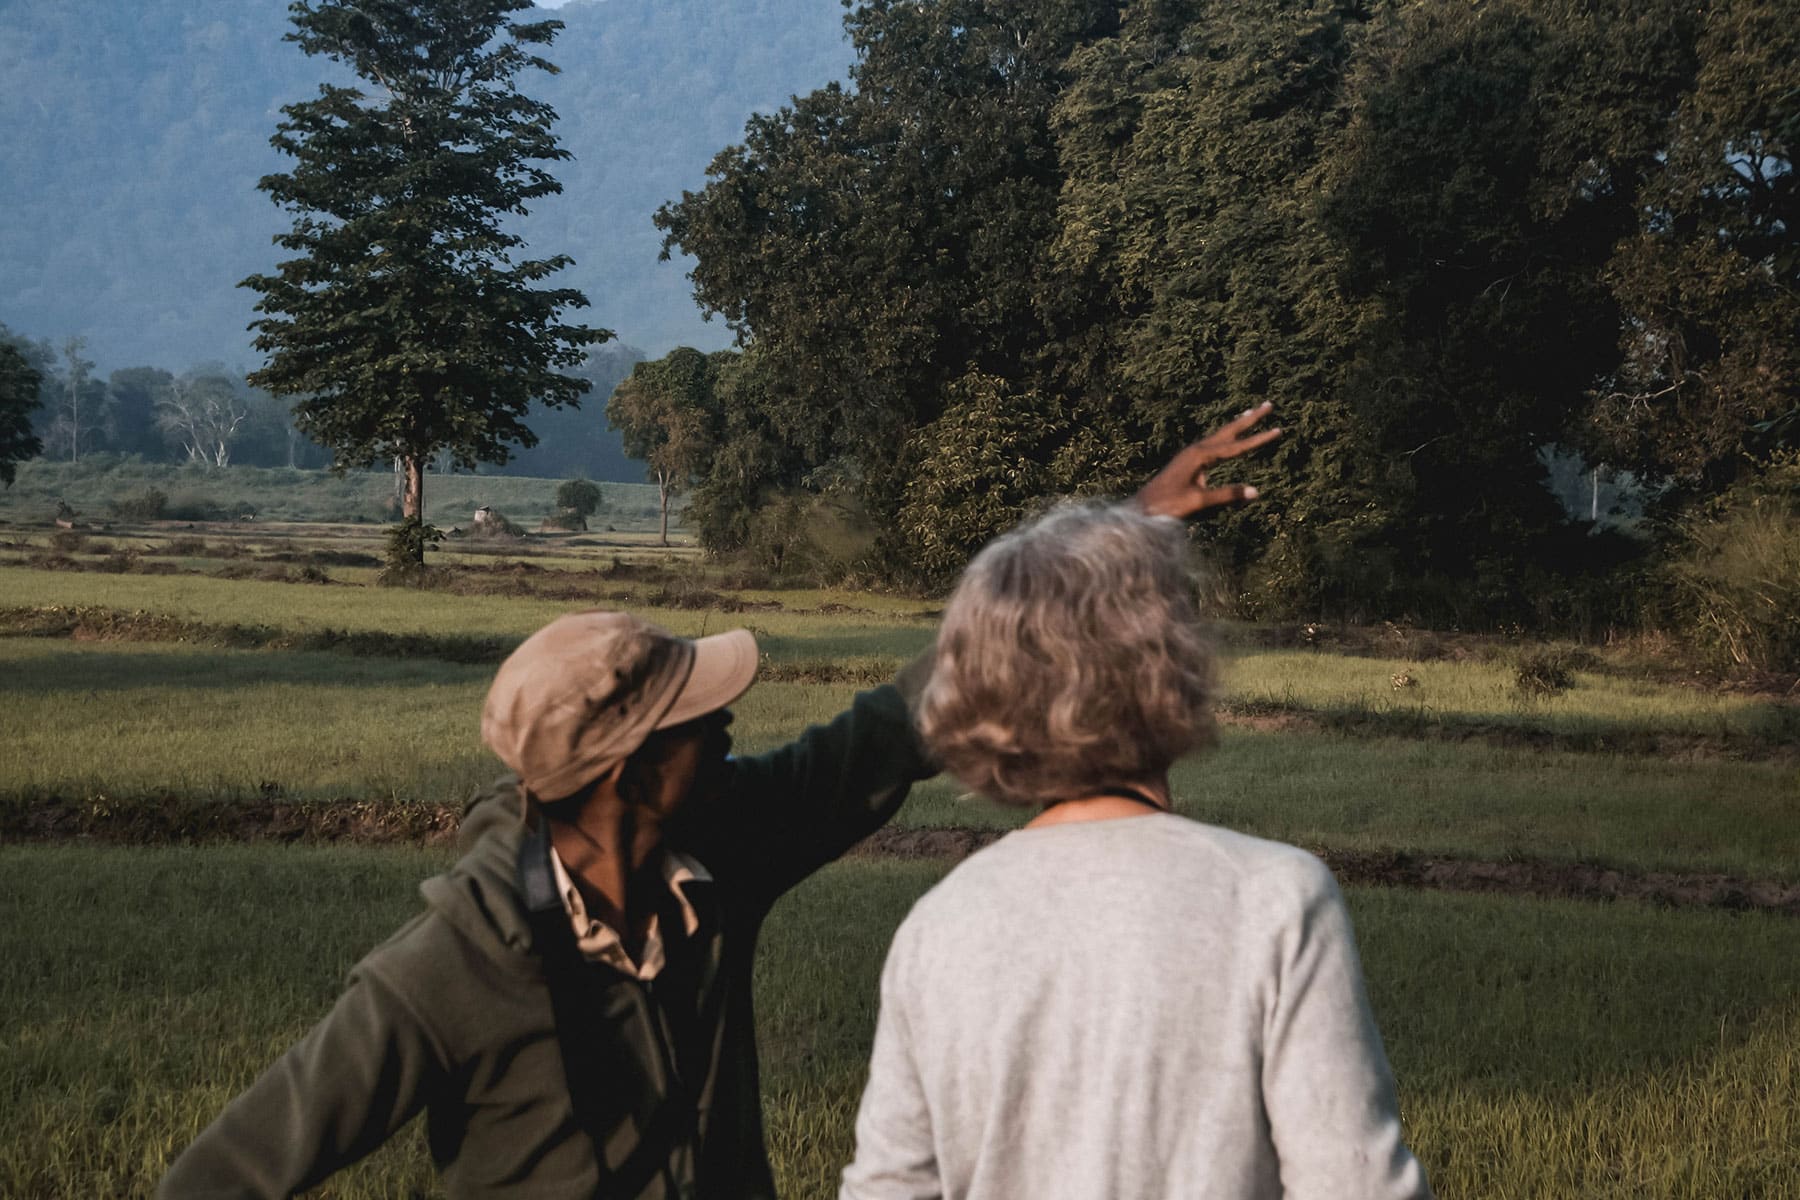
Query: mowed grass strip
[1462,800]
[1471,695]
[809,637]
[1542,1048]
[102,724]
[818,632]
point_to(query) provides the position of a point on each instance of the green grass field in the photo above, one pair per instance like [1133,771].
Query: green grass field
[279,493]
[1543,1048]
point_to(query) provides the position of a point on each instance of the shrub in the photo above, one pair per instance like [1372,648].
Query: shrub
[406,546]
[566,521]
[1737,583]
[1542,673]
[68,541]
[580,497]
[189,506]
[148,505]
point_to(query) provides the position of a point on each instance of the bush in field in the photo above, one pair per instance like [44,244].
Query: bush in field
[1737,584]
[565,521]
[151,504]
[579,496]
[1543,673]
[404,563]
[191,506]
[68,541]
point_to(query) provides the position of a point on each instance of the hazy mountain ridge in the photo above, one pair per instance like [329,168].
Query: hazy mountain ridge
[133,137]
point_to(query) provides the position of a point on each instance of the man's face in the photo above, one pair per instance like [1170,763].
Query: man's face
[686,761]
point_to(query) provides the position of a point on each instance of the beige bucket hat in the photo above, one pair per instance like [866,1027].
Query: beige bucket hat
[582,693]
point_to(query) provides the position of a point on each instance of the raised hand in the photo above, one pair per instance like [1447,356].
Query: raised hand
[1180,489]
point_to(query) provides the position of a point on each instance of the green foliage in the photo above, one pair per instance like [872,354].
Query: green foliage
[666,410]
[1707,388]
[748,460]
[1543,673]
[404,322]
[404,562]
[151,504]
[578,496]
[991,458]
[1439,236]
[883,240]
[1737,581]
[19,384]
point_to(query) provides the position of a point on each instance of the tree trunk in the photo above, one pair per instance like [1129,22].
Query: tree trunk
[412,504]
[662,495]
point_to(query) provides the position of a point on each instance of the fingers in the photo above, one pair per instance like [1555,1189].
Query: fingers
[1233,493]
[1245,445]
[1247,418]
[1227,441]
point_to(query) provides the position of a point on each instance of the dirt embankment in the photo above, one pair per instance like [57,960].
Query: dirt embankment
[178,820]
[1672,745]
[1571,881]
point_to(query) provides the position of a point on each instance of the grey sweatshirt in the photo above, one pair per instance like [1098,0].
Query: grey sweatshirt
[1134,1008]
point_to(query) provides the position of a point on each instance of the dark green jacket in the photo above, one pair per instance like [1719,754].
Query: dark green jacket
[453,1016]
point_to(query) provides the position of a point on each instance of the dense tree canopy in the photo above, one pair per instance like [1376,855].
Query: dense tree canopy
[406,323]
[19,382]
[1037,247]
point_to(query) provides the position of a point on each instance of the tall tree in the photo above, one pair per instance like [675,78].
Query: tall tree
[19,383]
[200,414]
[132,428]
[665,411]
[883,241]
[407,321]
[80,403]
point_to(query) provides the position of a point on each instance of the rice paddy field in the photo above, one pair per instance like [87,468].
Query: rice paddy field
[227,759]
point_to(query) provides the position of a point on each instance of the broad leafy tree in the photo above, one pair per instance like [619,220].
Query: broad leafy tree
[1708,388]
[19,383]
[1036,247]
[665,411]
[884,240]
[408,321]
[578,496]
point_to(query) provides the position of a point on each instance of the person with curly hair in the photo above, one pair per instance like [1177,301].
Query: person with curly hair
[1114,1001]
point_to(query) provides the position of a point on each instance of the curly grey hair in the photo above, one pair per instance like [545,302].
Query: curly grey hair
[1071,658]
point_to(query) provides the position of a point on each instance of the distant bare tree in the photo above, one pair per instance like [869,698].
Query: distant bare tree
[78,404]
[201,415]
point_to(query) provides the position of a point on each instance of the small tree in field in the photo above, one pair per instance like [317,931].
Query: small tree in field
[664,412]
[403,321]
[578,496]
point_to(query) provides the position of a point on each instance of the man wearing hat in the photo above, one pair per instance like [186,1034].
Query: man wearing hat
[572,1010]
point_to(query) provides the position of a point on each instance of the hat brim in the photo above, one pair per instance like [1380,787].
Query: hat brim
[724,668]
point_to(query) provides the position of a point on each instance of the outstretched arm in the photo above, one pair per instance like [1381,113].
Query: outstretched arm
[790,811]
[339,1093]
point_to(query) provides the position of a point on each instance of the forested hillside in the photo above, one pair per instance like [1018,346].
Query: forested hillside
[134,135]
